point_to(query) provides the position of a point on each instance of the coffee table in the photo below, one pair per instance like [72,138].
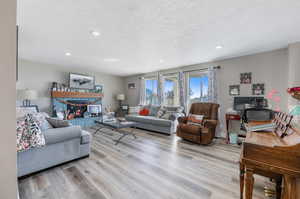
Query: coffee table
[117,126]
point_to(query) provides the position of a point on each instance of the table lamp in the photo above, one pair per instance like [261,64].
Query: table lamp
[26,95]
[120,98]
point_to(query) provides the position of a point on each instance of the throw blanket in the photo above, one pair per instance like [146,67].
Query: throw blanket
[29,134]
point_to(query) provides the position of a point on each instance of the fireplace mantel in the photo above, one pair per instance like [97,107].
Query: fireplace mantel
[60,94]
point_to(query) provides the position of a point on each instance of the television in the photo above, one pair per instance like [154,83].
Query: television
[240,103]
[94,110]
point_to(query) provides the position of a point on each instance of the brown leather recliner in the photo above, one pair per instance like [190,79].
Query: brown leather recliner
[200,134]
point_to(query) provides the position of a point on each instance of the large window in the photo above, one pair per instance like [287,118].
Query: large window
[151,87]
[171,90]
[197,87]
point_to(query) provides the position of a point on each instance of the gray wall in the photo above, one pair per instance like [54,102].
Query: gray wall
[8,177]
[270,68]
[294,77]
[39,76]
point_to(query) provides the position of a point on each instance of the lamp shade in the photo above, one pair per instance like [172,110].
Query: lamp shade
[27,94]
[121,97]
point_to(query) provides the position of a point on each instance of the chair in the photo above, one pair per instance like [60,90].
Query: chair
[200,134]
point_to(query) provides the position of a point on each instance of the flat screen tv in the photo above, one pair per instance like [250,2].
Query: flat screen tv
[81,81]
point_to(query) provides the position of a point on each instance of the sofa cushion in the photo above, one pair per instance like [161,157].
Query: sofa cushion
[85,137]
[149,120]
[178,109]
[56,135]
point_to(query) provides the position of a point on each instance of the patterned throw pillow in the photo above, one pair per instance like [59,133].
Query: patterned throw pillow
[195,119]
[166,116]
[29,134]
[40,119]
[160,112]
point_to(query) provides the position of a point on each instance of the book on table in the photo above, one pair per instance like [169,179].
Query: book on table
[261,127]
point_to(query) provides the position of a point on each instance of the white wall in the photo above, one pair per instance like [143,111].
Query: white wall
[270,68]
[39,76]
[8,176]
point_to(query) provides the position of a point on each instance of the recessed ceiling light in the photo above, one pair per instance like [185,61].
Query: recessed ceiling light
[219,47]
[110,60]
[161,61]
[68,54]
[95,33]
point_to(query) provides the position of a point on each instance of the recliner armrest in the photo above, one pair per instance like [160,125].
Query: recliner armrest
[210,123]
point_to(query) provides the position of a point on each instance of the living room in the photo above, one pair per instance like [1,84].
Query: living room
[150,99]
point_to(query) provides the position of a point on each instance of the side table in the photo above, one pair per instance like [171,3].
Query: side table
[228,117]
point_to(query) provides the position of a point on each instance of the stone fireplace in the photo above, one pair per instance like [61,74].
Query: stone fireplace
[75,106]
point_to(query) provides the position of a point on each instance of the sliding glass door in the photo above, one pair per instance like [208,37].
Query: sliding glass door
[151,88]
[197,87]
[171,90]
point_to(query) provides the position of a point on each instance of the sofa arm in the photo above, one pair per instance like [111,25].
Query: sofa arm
[56,135]
[182,120]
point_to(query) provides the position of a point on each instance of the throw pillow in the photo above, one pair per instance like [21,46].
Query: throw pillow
[195,119]
[160,112]
[144,112]
[40,119]
[29,134]
[166,116]
[56,123]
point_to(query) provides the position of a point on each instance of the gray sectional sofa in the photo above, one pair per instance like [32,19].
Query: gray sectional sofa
[153,122]
[62,145]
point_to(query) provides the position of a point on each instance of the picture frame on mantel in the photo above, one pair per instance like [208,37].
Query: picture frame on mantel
[79,81]
[98,88]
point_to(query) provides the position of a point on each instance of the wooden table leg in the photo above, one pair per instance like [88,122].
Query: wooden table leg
[242,173]
[249,181]
[278,188]
[227,130]
[289,187]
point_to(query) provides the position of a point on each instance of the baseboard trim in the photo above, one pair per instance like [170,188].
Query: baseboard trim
[34,173]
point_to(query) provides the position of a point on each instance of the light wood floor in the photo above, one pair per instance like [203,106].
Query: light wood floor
[153,166]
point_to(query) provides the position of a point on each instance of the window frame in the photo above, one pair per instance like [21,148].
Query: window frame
[145,89]
[163,100]
[199,73]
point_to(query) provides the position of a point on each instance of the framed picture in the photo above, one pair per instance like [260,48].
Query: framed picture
[234,90]
[246,78]
[258,89]
[131,85]
[81,81]
[99,88]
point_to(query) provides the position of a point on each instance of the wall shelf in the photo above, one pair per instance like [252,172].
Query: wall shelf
[61,94]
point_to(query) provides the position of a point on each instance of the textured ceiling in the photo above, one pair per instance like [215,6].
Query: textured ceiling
[140,36]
